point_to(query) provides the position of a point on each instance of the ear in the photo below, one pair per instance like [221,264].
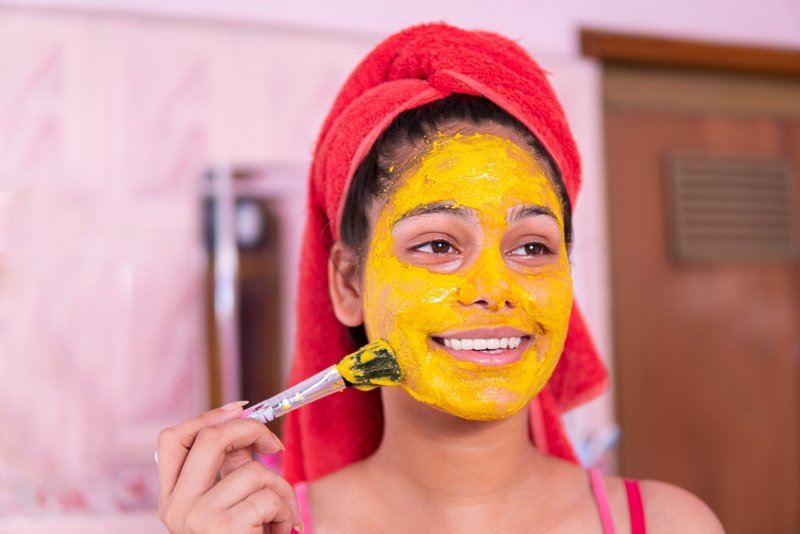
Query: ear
[344,286]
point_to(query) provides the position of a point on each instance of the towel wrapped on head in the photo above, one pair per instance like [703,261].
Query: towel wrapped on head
[414,67]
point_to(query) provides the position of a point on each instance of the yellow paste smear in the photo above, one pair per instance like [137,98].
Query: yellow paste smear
[405,304]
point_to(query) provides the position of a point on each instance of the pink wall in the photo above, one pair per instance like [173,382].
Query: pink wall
[542,25]
[106,125]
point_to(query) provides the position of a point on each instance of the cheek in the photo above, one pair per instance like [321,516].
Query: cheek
[547,300]
[404,305]
[399,297]
[546,303]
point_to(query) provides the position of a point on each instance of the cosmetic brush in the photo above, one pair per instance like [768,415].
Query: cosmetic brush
[371,366]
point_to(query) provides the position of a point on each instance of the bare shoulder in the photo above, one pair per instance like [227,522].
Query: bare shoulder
[338,501]
[330,490]
[670,509]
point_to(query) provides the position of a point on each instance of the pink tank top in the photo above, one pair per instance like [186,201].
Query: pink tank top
[635,507]
[598,486]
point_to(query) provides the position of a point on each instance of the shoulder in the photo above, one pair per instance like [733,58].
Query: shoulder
[340,501]
[669,509]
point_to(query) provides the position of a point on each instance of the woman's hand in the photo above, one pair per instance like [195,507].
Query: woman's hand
[248,499]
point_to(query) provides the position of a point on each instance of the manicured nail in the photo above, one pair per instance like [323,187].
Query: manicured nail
[278,441]
[299,528]
[233,405]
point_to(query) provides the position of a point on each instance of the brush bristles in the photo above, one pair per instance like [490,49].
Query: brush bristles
[371,366]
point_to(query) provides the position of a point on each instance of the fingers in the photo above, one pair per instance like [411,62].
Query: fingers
[239,457]
[251,498]
[234,459]
[250,516]
[264,507]
[247,480]
[211,446]
[174,443]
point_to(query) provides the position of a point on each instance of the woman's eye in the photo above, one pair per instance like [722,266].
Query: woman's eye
[435,247]
[531,249]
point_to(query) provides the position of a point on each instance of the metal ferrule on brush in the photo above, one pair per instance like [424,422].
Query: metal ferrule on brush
[320,385]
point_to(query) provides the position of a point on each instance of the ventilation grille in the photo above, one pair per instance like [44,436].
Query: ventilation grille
[730,210]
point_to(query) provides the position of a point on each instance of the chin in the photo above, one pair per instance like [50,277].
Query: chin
[488,413]
[491,404]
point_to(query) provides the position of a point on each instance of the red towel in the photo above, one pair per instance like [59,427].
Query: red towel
[416,66]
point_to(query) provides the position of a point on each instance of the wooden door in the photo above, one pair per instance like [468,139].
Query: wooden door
[707,354]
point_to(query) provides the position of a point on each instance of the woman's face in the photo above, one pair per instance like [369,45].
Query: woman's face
[468,278]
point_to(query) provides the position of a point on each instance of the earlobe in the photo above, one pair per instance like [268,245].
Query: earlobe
[345,291]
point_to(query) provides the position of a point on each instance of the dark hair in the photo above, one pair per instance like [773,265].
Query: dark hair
[373,179]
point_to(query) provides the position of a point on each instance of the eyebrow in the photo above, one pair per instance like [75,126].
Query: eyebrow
[522,212]
[446,208]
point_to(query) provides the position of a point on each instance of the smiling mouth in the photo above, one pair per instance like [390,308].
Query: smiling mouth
[497,346]
[484,345]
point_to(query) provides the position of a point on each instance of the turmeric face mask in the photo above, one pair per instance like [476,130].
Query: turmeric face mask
[468,278]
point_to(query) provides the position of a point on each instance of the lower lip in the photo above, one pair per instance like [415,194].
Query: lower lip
[487,359]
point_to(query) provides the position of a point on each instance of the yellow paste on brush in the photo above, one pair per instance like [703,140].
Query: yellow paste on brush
[406,304]
[371,366]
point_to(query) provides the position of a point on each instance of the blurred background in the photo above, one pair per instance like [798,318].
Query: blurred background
[153,157]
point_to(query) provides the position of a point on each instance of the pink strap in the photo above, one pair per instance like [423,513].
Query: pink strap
[301,492]
[603,506]
[635,507]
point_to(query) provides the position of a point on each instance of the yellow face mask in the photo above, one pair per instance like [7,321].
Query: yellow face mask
[468,278]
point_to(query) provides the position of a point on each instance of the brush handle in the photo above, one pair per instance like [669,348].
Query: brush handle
[320,385]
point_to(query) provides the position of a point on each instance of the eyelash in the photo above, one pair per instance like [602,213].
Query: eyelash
[430,244]
[544,250]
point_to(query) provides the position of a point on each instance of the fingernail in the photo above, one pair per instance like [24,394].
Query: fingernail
[278,441]
[155,455]
[299,528]
[233,405]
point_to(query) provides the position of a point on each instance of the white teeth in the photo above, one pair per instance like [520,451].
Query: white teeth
[483,344]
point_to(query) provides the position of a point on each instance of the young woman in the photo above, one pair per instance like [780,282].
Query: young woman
[440,221]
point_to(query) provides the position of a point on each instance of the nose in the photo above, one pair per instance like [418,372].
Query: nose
[486,284]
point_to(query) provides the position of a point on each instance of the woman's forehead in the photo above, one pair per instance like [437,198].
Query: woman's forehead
[475,170]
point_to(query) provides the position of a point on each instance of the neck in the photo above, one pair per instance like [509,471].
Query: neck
[438,456]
